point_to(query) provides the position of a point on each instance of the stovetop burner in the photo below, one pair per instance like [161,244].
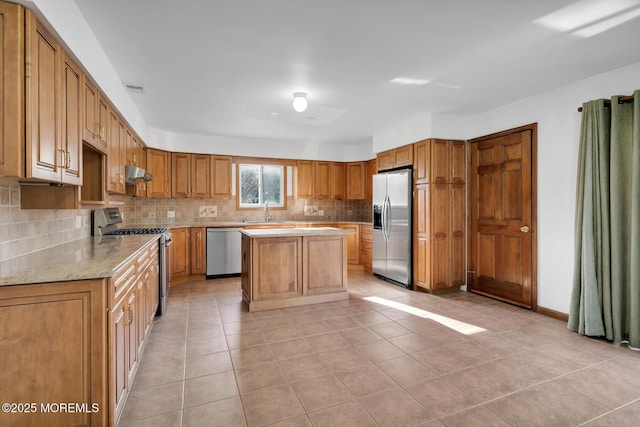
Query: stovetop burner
[128,231]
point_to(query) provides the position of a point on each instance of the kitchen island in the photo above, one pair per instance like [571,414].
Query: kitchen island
[293,266]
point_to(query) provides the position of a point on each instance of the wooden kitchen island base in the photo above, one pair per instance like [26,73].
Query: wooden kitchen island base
[292,267]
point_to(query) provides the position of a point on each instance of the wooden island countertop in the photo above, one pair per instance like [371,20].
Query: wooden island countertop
[292,267]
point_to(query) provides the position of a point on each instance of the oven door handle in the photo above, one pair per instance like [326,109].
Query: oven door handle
[167,242]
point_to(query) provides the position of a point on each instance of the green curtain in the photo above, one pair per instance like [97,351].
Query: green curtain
[606,283]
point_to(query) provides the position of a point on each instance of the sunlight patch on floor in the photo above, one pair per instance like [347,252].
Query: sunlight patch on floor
[456,325]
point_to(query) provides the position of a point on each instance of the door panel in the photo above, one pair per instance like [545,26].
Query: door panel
[501,194]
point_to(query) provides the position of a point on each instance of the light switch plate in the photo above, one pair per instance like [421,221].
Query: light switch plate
[320,212]
[78,221]
[171,214]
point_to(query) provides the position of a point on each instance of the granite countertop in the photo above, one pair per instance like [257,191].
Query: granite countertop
[302,231]
[86,258]
[240,224]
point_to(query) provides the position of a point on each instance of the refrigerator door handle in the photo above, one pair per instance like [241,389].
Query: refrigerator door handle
[387,217]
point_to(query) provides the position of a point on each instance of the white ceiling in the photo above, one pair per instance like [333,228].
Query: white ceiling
[223,67]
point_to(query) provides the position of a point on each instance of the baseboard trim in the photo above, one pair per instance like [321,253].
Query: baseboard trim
[553,313]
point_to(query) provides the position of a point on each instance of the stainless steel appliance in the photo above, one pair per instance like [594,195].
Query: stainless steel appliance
[392,196]
[105,222]
[223,252]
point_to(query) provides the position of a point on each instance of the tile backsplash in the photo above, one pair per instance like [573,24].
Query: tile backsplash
[142,211]
[27,230]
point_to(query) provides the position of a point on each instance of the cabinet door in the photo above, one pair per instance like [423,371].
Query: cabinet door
[200,180]
[457,228]
[180,266]
[385,160]
[355,180]
[12,90]
[102,118]
[439,228]
[372,169]
[72,106]
[129,148]
[89,113]
[180,175]
[403,156]
[141,162]
[421,161]
[458,163]
[118,353]
[113,171]
[158,166]
[323,180]
[422,253]
[220,177]
[305,175]
[198,251]
[44,157]
[338,179]
[353,243]
[131,333]
[366,246]
[440,157]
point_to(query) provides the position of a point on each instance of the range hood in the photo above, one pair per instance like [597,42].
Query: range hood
[134,175]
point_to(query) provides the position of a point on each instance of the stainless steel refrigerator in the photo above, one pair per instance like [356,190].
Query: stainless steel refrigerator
[392,248]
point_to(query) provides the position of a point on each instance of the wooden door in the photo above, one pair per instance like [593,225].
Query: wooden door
[422,161]
[113,179]
[372,169]
[353,243]
[72,90]
[43,58]
[386,160]
[403,156]
[89,116]
[12,90]
[102,122]
[118,319]
[501,194]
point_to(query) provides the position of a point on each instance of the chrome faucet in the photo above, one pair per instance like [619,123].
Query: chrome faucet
[267,215]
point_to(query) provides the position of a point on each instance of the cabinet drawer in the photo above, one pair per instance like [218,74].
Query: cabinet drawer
[123,280]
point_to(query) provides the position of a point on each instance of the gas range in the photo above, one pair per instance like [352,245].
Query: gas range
[105,223]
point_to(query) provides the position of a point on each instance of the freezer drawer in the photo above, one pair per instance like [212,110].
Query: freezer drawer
[224,252]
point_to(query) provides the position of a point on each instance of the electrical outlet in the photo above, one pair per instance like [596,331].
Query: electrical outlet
[152,214]
[171,214]
[78,222]
[320,212]
[349,212]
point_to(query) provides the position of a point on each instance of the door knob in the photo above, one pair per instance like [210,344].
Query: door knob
[524,229]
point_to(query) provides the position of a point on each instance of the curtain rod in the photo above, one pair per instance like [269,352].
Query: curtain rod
[621,100]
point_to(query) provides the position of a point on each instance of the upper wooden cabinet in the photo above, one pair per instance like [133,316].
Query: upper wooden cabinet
[338,180]
[398,157]
[190,175]
[117,153]
[305,179]
[72,91]
[356,180]
[158,166]
[323,180]
[95,117]
[12,90]
[53,96]
[220,177]
[371,169]
[439,161]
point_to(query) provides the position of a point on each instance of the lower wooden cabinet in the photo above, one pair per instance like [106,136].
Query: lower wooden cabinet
[439,237]
[366,247]
[78,342]
[53,343]
[198,252]
[353,243]
[180,257]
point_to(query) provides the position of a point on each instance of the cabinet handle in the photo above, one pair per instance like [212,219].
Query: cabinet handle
[100,131]
[62,155]
[130,319]
[132,309]
[68,160]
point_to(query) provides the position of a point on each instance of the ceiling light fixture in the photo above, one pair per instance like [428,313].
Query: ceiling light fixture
[300,103]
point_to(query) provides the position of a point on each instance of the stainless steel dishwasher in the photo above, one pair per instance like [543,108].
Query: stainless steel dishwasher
[223,252]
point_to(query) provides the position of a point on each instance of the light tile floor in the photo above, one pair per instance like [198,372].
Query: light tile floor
[385,357]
